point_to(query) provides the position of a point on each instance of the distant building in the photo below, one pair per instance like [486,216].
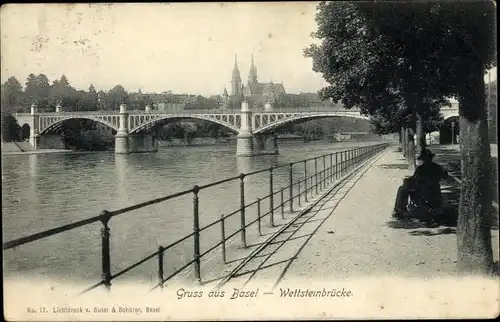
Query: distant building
[258,93]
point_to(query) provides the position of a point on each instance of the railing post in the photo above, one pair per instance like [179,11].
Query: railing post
[196,230]
[345,162]
[324,171]
[305,180]
[160,266]
[316,173]
[242,210]
[341,163]
[106,257]
[223,237]
[290,177]
[259,222]
[347,157]
[282,205]
[271,197]
[336,165]
[298,191]
[331,168]
[353,158]
[349,163]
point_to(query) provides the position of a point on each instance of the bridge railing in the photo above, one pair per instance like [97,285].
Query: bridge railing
[335,166]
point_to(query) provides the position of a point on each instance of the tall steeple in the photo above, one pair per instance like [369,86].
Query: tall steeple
[236,79]
[252,75]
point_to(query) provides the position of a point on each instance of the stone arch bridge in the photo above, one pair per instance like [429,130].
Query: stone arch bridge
[136,130]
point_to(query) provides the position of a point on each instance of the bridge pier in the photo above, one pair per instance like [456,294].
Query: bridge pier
[122,137]
[34,127]
[245,142]
[35,141]
[249,144]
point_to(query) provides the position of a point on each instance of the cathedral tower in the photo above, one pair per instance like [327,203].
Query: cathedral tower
[236,80]
[252,75]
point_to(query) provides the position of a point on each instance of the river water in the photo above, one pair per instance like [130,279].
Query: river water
[43,191]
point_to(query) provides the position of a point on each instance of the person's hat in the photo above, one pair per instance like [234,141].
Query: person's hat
[426,154]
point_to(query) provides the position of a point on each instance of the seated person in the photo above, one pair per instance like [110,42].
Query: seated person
[423,187]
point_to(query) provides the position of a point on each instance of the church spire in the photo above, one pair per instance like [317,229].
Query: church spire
[236,79]
[252,75]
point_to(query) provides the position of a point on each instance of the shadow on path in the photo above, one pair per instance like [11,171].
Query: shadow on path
[394,166]
[441,231]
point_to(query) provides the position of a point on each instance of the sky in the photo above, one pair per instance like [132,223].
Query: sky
[184,47]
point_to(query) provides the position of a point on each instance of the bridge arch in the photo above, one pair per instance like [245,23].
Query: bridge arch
[152,123]
[449,132]
[284,121]
[53,125]
[25,131]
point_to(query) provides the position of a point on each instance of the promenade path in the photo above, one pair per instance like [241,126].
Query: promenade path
[351,242]
[360,239]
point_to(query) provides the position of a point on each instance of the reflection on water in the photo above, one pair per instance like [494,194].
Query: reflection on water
[121,176]
[44,191]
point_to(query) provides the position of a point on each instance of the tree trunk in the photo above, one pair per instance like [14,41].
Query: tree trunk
[420,134]
[401,141]
[405,141]
[411,150]
[424,140]
[473,230]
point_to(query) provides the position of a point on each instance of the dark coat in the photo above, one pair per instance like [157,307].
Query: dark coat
[427,178]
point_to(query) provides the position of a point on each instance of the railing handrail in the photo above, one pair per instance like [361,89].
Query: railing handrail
[349,160]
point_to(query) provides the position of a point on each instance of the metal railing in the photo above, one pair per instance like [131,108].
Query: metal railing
[335,166]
